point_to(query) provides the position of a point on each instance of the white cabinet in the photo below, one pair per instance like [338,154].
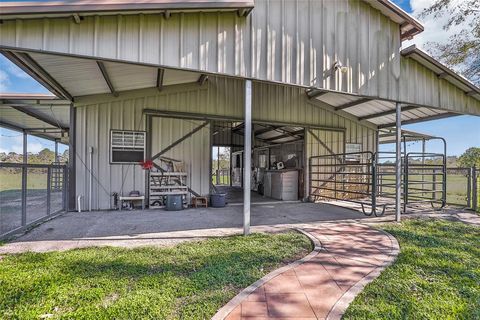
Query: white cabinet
[281,184]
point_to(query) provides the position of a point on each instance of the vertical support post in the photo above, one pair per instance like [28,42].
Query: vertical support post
[90,181]
[231,169]
[376,153]
[49,188]
[469,187]
[72,156]
[24,179]
[247,168]
[405,174]
[423,166]
[474,189]
[65,173]
[148,155]
[374,183]
[56,150]
[218,165]
[398,163]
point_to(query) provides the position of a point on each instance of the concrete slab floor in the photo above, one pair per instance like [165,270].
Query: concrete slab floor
[163,228]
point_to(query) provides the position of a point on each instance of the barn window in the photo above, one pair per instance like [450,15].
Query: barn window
[127,146]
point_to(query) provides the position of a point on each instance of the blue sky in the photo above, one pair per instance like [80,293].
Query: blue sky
[460,132]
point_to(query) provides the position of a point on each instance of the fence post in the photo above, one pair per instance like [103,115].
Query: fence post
[64,188]
[24,180]
[474,189]
[49,189]
[469,187]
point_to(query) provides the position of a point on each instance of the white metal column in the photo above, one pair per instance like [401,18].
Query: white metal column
[247,156]
[398,163]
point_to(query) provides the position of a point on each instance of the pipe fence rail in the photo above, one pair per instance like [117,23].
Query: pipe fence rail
[347,177]
[368,179]
[30,193]
[425,179]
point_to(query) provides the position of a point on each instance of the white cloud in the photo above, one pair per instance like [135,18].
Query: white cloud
[4,81]
[15,144]
[434,31]
[16,71]
[35,147]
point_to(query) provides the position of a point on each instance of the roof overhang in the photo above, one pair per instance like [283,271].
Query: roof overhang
[20,9]
[73,77]
[379,112]
[44,116]
[409,26]
[387,136]
[69,77]
[441,70]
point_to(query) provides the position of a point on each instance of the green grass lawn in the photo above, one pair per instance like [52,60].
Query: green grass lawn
[436,275]
[224,180]
[188,281]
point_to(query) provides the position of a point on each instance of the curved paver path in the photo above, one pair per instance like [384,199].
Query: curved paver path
[322,285]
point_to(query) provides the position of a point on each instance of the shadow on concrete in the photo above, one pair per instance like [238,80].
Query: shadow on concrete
[154,224]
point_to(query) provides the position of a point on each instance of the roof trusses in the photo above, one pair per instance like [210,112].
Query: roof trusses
[377,112]
[44,116]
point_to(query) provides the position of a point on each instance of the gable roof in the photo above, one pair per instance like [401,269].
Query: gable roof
[409,26]
[441,70]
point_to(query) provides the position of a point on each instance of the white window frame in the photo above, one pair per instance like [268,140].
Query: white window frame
[135,146]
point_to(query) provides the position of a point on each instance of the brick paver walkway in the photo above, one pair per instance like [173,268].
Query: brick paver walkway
[323,286]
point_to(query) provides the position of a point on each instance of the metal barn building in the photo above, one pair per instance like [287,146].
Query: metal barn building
[170,80]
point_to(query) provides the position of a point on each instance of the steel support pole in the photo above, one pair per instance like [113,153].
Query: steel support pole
[72,156]
[56,150]
[218,165]
[469,187]
[398,163]
[90,181]
[247,155]
[423,165]
[24,179]
[474,189]
[49,190]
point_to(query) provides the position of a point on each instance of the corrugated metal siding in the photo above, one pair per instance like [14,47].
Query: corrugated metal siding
[96,115]
[290,41]
[334,140]
[194,151]
[422,86]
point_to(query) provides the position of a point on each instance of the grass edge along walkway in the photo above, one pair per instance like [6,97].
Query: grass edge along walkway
[189,281]
[435,276]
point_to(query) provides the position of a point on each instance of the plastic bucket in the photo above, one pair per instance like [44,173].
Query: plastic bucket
[174,202]
[217,200]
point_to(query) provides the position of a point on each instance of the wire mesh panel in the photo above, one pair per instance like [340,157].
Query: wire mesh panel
[57,189]
[10,199]
[28,194]
[36,194]
[459,187]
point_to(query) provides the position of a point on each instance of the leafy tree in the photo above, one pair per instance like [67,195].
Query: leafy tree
[462,49]
[470,158]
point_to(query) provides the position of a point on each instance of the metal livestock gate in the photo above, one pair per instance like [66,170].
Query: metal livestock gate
[368,179]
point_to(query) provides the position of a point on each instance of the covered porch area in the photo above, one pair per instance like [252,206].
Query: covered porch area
[127,114]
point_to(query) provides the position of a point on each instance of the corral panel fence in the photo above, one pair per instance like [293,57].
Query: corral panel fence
[30,193]
[369,179]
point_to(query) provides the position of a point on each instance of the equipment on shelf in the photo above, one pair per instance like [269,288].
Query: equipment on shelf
[171,179]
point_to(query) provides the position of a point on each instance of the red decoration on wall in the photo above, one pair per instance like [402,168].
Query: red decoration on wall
[147,164]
